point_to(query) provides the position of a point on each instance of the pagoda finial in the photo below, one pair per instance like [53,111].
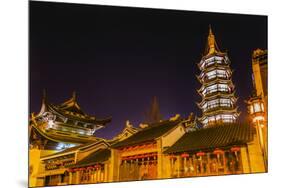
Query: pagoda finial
[210,30]
[74,95]
[44,95]
[211,42]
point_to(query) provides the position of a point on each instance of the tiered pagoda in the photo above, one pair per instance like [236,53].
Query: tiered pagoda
[218,103]
[57,127]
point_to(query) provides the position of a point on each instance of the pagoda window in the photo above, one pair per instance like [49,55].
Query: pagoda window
[208,62]
[215,88]
[216,74]
[225,118]
[218,58]
[217,103]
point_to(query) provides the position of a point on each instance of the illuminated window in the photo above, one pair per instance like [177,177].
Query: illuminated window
[251,109]
[215,88]
[217,103]
[257,107]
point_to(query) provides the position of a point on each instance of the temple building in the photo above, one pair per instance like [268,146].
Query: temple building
[218,103]
[59,127]
[65,151]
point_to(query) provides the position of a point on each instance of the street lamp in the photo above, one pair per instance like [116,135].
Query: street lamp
[257,114]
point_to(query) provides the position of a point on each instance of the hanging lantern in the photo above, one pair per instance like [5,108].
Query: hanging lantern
[234,149]
[200,154]
[218,151]
[184,155]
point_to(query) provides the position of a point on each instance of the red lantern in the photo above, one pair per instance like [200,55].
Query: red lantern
[184,155]
[218,151]
[199,154]
[233,149]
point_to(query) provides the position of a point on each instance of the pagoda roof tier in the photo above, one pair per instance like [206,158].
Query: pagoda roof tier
[206,80]
[220,110]
[99,156]
[223,136]
[218,95]
[150,133]
[226,68]
[201,75]
[214,65]
[217,81]
[218,54]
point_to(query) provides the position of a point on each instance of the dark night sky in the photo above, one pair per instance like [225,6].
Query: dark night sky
[118,58]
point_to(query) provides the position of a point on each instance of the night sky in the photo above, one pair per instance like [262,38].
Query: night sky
[118,58]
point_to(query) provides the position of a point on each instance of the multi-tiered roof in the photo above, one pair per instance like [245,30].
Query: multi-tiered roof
[65,124]
[218,103]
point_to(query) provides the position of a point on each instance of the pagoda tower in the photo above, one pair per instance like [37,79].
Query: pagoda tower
[218,103]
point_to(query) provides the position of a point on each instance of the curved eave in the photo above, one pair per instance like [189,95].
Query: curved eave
[218,80]
[220,111]
[216,66]
[60,138]
[219,94]
[199,78]
[88,119]
[207,56]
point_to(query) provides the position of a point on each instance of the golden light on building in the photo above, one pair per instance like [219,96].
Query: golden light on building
[257,104]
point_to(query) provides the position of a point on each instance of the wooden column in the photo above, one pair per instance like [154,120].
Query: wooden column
[178,166]
[92,176]
[70,178]
[208,165]
[224,163]
[77,178]
[185,168]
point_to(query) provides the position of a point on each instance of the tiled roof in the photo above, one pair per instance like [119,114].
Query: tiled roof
[99,156]
[149,133]
[213,137]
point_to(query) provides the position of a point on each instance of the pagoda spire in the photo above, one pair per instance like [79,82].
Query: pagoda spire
[74,96]
[212,45]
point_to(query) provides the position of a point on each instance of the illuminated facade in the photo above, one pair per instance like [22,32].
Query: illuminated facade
[218,103]
[171,148]
[257,104]
[59,127]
